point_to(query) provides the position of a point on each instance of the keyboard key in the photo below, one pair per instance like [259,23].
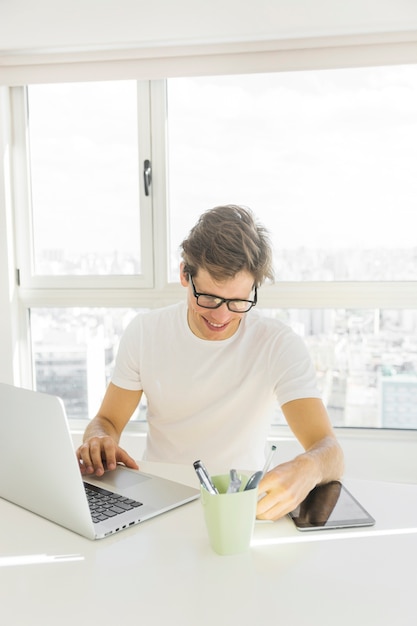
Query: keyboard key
[104,504]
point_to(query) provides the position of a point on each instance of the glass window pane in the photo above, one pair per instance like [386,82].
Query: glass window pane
[74,351]
[326,159]
[84,166]
[366,362]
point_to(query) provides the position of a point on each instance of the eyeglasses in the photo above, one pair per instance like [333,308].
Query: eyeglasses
[207,301]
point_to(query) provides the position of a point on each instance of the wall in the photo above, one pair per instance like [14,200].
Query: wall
[370,456]
[79,25]
[52,33]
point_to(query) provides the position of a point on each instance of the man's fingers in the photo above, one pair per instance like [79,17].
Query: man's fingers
[106,454]
[271,509]
[84,459]
[91,456]
[99,454]
[126,459]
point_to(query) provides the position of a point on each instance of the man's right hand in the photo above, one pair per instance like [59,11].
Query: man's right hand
[98,454]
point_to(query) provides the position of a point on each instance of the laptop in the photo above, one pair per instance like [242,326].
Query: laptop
[39,472]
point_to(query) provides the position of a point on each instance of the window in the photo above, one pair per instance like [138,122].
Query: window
[74,349]
[366,363]
[84,159]
[86,212]
[325,158]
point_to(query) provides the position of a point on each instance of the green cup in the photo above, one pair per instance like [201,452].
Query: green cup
[229,517]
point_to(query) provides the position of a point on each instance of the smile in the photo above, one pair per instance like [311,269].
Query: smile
[215,326]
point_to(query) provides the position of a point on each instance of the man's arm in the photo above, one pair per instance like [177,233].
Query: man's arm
[101,448]
[288,484]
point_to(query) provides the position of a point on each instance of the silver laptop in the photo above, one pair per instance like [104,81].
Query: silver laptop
[39,471]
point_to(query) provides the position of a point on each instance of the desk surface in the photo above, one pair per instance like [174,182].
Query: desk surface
[164,572]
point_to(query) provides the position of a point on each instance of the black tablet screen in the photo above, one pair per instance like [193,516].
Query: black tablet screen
[330,506]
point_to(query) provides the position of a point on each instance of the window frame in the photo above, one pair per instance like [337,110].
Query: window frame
[28,280]
[159,291]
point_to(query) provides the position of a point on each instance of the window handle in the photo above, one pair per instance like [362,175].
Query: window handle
[147,175]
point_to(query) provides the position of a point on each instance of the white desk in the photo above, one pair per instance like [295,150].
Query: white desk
[164,572]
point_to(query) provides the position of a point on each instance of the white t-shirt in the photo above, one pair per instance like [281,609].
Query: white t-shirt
[212,400]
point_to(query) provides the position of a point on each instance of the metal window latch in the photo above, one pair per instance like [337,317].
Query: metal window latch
[147,175]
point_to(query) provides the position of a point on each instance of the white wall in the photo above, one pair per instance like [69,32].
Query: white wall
[368,456]
[26,25]
[386,456]
[46,32]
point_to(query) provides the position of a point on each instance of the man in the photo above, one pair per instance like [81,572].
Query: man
[213,367]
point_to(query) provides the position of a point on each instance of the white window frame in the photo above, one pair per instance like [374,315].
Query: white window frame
[159,292]
[27,278]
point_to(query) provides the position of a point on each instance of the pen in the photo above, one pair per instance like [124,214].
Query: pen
[269,460]
[235,482]
[204,477]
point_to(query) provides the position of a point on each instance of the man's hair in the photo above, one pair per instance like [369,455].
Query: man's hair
[225,241]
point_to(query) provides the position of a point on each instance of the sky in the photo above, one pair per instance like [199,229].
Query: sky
[325,159]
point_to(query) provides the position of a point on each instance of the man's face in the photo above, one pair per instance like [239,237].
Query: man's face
[216,324]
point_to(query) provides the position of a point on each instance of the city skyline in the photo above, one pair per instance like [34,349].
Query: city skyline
[354,351]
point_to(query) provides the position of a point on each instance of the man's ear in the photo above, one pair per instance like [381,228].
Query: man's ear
[183,276]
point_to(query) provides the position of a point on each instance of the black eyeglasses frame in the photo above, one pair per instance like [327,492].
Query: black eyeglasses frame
[227,301]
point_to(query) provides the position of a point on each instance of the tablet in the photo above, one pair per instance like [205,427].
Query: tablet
[330,506]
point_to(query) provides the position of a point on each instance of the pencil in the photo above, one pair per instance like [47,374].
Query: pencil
[269,460]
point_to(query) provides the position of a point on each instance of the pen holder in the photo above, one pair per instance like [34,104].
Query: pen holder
[229,517]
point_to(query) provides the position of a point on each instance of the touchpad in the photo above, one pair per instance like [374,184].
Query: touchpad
[119,479]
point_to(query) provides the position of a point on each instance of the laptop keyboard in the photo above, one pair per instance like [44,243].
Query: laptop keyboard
[106,504]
